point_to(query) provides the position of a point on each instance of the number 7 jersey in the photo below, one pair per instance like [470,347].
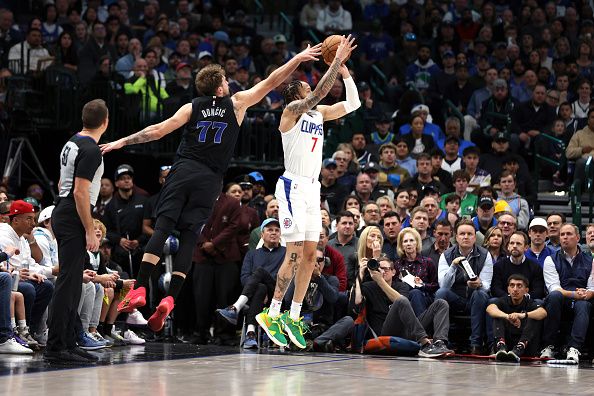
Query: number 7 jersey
[302,145]
[210,135]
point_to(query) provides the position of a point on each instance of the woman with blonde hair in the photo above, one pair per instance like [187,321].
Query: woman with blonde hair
[494,243]
[417,271]
[370,246]
[385,204]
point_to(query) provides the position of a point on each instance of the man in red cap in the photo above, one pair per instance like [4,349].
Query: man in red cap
[34,286]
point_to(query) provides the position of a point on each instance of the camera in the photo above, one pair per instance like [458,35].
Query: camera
[373,264]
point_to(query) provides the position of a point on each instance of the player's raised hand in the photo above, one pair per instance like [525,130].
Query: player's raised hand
[345,47]
[310,53]
[107,147]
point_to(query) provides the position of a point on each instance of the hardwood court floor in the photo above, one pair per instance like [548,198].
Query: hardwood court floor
[167,369]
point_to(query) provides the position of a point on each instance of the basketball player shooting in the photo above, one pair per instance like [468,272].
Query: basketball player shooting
[298,190]
[211,127]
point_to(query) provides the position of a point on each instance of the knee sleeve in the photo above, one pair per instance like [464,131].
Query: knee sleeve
[163,229]
[183,259]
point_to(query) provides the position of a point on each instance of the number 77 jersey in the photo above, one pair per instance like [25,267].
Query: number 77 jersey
[210,135]
[303,144]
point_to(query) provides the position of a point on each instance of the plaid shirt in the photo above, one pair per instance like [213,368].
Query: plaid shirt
[423,267]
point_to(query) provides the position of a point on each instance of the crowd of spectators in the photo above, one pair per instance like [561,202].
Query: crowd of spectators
[430,179]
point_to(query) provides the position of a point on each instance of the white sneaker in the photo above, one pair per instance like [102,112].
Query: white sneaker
[135,318]
[12,346]
[117,337]
[99,337]
[573,354]
[548,352]
[131,338]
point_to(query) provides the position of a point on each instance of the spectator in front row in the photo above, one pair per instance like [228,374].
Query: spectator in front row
[517,263]
[258,277]
[8,344]
[456,287]
[418,272]
[516,317]
[389,312]
[33,284]
[567,275]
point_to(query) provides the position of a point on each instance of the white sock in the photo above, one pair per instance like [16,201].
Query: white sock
[12,323]
[241,301]
[295,310]
[275,307]
[251,328]
[22,324]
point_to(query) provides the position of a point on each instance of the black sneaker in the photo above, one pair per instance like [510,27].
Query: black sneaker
[516,353]
[430,351]
[82,353]
[65,357]
[501,352]
[441,346]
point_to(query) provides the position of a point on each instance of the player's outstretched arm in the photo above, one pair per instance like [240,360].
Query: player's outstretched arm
[347,106]
[254,95]
[152,132]
[299,107]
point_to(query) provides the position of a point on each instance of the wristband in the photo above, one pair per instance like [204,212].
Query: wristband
[573,294]
[32,242]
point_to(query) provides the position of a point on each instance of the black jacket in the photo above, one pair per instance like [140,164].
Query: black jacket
[529,268]
[123,219]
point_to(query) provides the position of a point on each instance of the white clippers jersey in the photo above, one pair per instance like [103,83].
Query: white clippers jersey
[303,145]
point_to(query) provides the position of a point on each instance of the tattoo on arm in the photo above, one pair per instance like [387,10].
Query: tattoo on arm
[299,107]
[146,135]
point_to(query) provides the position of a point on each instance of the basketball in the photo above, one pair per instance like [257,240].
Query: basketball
[329,47]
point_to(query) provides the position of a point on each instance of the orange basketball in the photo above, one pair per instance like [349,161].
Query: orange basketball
[329,47]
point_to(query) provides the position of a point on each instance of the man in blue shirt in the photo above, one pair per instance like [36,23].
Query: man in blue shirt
[567,275]
[258,277]
[538,251]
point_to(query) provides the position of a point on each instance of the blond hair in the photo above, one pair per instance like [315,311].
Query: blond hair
[362,247]
[415,234]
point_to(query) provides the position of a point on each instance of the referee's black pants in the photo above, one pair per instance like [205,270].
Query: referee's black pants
[64,323]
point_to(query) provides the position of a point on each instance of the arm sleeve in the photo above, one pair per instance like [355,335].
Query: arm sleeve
[136,87]
[329,288]
[352,101]
[87,163]
[573,150]
[496,285]
[446,274]
[524,215]
[486,274]
[551,277]
[247,267]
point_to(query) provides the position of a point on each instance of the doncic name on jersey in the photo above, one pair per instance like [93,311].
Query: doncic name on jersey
[217,111]
[312,128]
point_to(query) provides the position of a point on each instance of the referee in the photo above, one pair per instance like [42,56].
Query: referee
[81,167]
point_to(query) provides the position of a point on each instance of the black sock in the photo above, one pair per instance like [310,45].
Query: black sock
[175,285]
[144,274]
[107,328]
[101,328]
